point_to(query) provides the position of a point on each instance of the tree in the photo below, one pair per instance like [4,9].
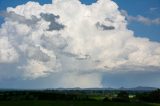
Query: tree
[122,96]
[153,96]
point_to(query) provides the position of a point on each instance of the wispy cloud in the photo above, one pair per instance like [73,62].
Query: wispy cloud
[141,19]
[153,9]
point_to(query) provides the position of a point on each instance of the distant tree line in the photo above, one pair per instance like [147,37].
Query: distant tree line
[153,96]
[40,95]
[123,96]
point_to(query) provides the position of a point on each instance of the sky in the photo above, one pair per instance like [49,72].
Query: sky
[67,43]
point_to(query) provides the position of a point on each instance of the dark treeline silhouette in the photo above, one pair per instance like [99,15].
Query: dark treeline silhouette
[153,96]
[41,95]
[80,95]
[123,96]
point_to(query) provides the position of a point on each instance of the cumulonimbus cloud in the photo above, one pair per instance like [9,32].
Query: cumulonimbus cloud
[78,40]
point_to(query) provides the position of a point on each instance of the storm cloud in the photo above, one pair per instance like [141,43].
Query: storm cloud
[74,42]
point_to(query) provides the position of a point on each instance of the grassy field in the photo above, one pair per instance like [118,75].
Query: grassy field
[71,103]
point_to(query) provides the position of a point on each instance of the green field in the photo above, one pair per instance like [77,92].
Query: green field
[71,103]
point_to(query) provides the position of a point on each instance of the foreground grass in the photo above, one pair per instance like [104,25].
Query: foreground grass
[71,103]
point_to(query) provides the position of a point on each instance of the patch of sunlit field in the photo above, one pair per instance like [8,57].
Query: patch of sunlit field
[71,103]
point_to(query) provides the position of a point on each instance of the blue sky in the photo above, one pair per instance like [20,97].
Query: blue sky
[143,7]
[149,9]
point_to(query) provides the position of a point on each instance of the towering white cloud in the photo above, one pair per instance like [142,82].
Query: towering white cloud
[78,40]
[8,53]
